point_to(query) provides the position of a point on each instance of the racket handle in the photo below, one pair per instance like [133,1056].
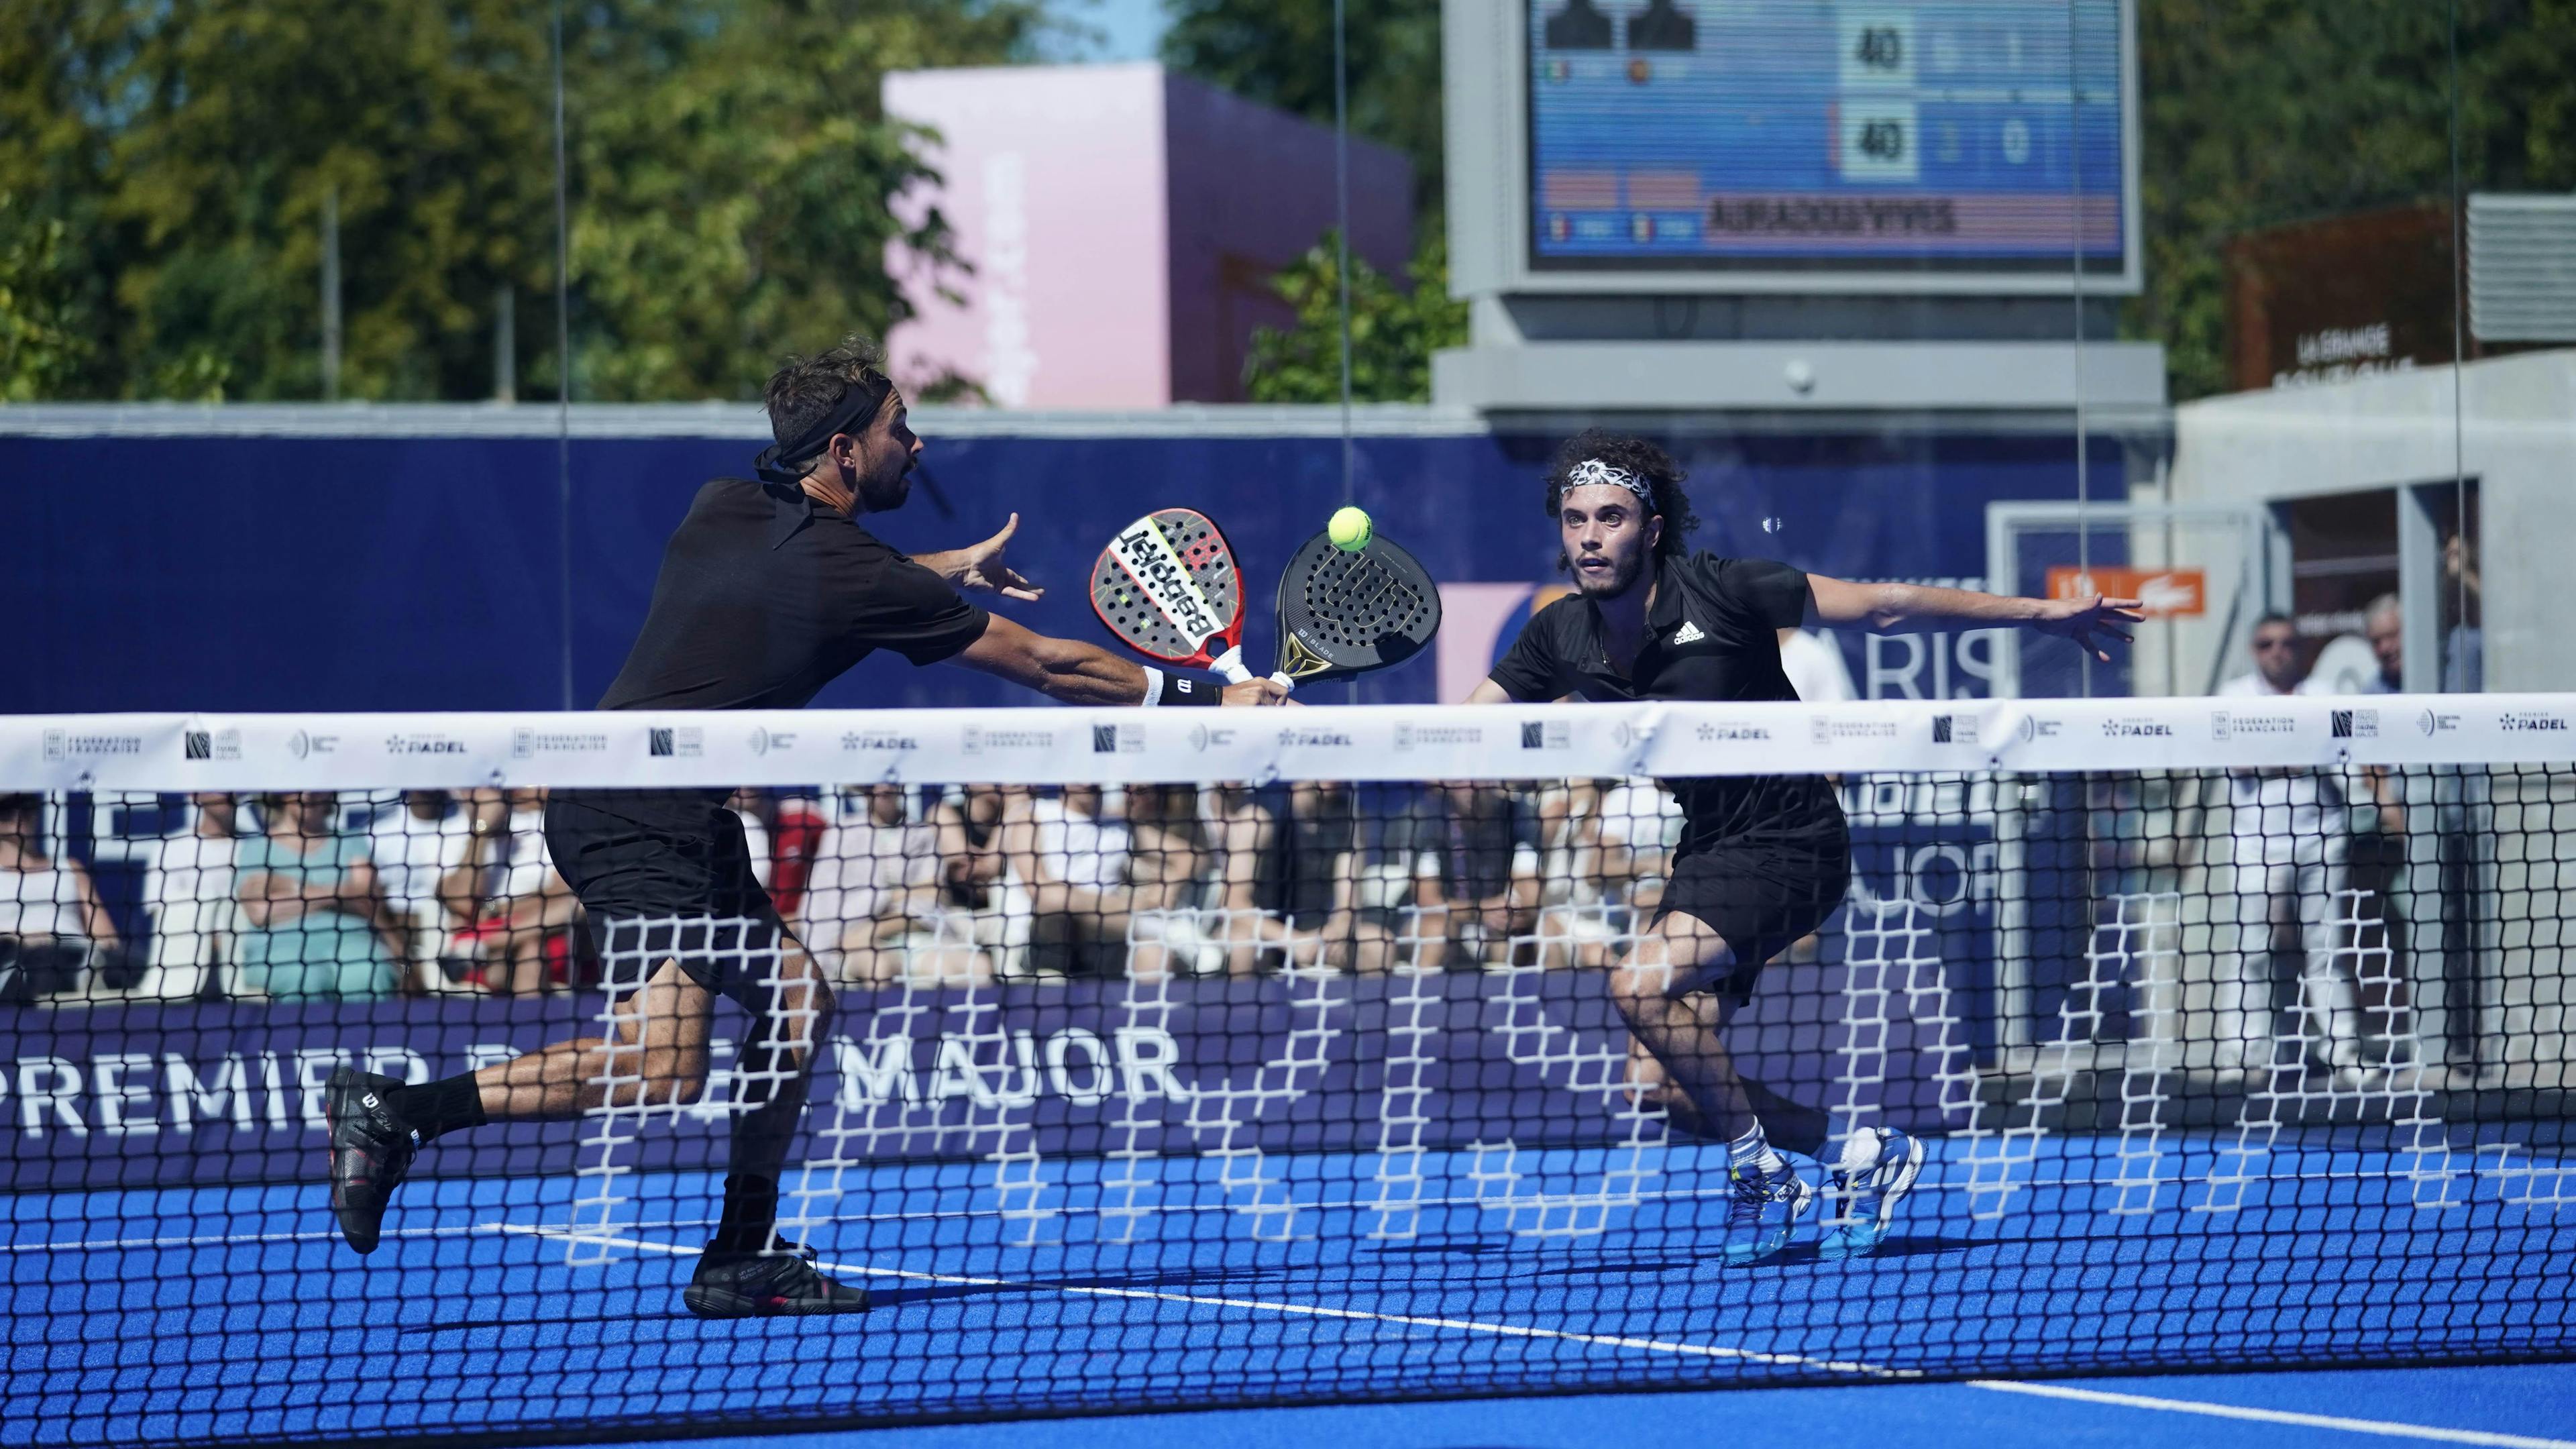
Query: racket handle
[1230,664]
[1284,682]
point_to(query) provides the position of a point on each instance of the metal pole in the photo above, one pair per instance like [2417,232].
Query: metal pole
[563,360]
[331,293]
[1342,227]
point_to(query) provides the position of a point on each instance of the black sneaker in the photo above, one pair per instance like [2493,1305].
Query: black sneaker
[762,1285]
[370,1151]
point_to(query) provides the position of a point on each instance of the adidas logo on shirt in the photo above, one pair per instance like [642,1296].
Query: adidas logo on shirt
[1688,633]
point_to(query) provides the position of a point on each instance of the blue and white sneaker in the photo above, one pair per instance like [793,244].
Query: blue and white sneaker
[1767,1209]
[1878,1167]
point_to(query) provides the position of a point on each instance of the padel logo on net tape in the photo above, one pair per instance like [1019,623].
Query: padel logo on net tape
[1117,739]
[675,742]
[1954,729]
[2356,724]
[1149,559]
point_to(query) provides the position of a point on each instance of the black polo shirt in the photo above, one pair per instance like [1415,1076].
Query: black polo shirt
[765,597]
[1712,635]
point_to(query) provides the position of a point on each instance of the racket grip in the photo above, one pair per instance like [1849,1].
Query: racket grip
[1284,682]
[1230,664]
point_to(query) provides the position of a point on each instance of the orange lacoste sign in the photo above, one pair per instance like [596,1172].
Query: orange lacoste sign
[2166,593]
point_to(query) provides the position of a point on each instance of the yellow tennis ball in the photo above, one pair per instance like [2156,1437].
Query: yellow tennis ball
[1350,530]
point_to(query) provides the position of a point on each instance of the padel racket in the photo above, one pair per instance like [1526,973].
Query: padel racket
[1343,614]
[1167,586]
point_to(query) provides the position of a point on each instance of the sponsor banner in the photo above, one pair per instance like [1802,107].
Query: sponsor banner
[1346,742]
[2161,593]
[197,1095]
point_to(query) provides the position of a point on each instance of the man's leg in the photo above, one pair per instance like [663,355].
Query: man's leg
[1660,991]
[655,1054]
[793,1012]
[748,1271]
[1663,992]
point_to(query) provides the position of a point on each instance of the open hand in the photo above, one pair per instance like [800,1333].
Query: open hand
[978,568]
[2089,622]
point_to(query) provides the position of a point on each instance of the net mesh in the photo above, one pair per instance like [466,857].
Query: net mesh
[1280,1083]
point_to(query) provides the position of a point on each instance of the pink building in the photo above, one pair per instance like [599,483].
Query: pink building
[1123,223]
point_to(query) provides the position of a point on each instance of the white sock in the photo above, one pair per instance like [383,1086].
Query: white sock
[1752,1151]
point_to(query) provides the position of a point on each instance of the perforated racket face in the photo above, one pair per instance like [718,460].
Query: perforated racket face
[1346,613]
[1132,613]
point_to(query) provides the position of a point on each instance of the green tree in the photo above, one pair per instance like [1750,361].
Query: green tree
[2259,113]
[1280,52]
[1394,330]
[731,179]
[42,346]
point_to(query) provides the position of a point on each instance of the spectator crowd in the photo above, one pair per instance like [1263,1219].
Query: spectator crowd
[332,896]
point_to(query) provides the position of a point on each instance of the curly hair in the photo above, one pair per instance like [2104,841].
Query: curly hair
[1663,476]
[804,390]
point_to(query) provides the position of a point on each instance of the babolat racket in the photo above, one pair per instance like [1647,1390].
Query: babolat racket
[1343,613]
[1168,588]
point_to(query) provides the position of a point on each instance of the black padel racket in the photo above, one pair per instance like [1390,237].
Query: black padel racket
[1343,614]
[1167,586]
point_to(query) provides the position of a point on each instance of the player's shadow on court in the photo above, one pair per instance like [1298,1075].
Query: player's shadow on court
[1197,1281]
[1900,1246]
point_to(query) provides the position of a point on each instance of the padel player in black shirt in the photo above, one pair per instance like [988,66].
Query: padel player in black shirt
[769,590]
[1763,860]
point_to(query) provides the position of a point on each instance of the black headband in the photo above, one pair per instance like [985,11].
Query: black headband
[859,399]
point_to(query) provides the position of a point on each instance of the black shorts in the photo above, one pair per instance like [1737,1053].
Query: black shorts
[1759,894]
[664,873]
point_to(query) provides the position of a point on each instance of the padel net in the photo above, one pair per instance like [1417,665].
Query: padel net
[1193,1058]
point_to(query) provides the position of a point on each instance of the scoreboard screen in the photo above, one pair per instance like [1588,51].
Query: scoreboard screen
[1896,136]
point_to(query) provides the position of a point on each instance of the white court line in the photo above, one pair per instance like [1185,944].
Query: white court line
[2383,1427]
[1301,1310]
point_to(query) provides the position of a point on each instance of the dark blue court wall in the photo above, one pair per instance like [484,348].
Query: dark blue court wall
[427,573]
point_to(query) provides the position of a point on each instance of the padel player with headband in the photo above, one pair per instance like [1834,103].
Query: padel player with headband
[768,591]
[1763,859]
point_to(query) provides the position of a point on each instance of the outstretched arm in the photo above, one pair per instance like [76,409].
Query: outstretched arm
[1072,672]
[1886,606]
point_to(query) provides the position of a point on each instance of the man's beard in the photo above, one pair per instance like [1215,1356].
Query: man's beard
[1624,575]
[879,494]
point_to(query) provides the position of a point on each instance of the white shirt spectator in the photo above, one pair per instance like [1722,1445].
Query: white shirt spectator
[1815,668]
[42,903]
[188,892]
[530,862]
[1641,815]
[1078,849]
[861,866]
[412,855]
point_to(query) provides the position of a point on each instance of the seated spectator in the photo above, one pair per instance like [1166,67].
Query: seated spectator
[1310,880]
[872,910]
[2277,667]
[1070,852]
[523,927]
[2464,648]
[1476,886]
[422,849]
[2385,621]
[51,922]
[314,923]
[796,826]
[188,897]
[1172,861]
[751,807]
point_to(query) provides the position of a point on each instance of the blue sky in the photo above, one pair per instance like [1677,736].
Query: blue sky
[1130,29]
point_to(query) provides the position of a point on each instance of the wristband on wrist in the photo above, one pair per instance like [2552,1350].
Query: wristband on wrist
[1153,687]
[1190,689]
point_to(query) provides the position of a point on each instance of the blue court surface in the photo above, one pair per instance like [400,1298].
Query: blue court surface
[196,1314]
